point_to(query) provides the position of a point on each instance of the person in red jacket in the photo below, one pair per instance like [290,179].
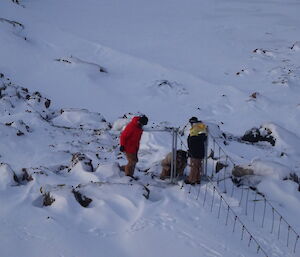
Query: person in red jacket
[130,142]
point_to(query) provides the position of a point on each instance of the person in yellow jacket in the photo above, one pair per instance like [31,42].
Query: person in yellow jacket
[196,144]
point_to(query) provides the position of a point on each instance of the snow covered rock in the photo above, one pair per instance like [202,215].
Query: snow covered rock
[167,87]
[107,172]
[15,24]
[255,135]
[240,171]
[16,1]
[7,176]
[256,171]
[25,176]
[15,99]
[220,165]
[295,178]
[20,125]
[76,61]
[80,118]
[83,200]
[83,160]
[48,199]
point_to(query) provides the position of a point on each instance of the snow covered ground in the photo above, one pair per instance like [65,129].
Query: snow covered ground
[233,64]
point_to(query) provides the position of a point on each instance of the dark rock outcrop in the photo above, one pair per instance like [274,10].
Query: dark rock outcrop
[220,166]
[48,199]
[83,200]
[239,171]
[255,135]
[84,160]
[294,177]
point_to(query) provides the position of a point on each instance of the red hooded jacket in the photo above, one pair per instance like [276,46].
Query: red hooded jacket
[131,136]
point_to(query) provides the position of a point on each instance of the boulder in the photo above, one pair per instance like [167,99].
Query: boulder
[83,200]
[220,165]
[240,171]
[48,199]
[255,135]
[83,160]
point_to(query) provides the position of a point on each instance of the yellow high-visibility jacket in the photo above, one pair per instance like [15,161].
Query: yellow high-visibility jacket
[197,129]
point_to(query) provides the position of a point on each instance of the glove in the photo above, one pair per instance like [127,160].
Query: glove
[122,148]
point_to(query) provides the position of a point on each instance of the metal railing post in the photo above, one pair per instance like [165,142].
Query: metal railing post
[205,156]
[174,155]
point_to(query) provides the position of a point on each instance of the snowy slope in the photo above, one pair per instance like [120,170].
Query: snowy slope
[234,64]
[202,68]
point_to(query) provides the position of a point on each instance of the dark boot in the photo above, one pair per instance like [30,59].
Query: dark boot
[186,181]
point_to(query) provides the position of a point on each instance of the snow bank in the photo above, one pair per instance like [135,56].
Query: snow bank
[269,169]
[75,118]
